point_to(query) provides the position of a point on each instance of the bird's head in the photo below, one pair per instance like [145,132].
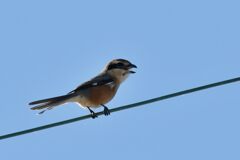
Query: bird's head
[120,69]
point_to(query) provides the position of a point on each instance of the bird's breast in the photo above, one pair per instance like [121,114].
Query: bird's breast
[96,96]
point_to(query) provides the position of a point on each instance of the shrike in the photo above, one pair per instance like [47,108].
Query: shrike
[94,93]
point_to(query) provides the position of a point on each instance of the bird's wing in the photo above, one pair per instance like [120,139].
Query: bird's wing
[99,80]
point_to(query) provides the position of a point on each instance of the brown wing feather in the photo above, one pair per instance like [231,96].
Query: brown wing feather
[96,81]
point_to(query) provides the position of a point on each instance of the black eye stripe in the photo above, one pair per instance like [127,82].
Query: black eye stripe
[111,66]
[120,64]
[117,65]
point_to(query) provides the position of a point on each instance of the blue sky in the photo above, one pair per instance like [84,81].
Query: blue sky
[50,47]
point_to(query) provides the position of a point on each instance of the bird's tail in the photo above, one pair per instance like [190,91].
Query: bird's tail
[50,103]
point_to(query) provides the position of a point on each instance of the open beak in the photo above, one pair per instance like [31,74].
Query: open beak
[132,66]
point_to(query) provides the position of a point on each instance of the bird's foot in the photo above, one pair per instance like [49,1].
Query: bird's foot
[106,111]
[93,114]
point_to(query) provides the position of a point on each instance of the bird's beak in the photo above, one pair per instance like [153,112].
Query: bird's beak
[132,66]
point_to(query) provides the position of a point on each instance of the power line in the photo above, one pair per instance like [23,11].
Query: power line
[176,94]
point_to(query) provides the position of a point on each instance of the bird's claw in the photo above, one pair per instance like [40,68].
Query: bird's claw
[106,111]
[94,115]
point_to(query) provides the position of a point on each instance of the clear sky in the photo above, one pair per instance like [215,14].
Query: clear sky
[47,48]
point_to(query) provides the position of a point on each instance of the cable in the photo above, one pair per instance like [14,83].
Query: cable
[15,134]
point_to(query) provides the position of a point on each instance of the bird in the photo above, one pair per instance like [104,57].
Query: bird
[94,93]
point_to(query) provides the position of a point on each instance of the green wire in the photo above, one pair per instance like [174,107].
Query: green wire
[15,134]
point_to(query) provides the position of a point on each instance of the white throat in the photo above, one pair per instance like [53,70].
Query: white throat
[120,74]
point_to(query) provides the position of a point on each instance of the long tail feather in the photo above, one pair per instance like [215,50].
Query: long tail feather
[51,102]
[41,106]
[50,99]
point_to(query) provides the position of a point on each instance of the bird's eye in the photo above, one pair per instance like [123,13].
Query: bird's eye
[120,64]
[116,66]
